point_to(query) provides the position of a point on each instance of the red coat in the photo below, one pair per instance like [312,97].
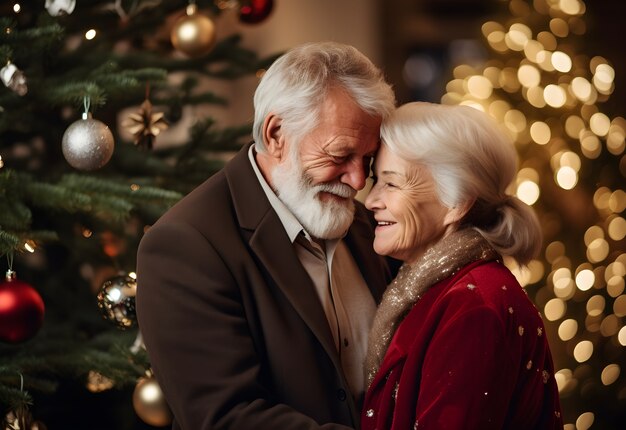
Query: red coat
[471,354]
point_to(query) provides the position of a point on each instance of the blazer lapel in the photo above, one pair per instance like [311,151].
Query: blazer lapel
[269,241]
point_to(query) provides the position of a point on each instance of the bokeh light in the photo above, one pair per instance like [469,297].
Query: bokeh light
[547,93]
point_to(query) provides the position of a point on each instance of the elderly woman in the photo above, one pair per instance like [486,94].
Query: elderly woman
[456,342]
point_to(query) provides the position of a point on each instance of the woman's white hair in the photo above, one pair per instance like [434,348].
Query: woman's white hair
[471,160]
[295,85]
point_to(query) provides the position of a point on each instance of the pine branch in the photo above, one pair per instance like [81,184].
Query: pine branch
[56,197]
[38,39]
[47,34]
[61,356]
[109,201]
[99,186]
[15,214]
[8,242]
[43,236]
[12,396]
[73,93]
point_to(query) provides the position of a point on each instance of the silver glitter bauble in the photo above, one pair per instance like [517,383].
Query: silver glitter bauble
[88,144]
[116,300]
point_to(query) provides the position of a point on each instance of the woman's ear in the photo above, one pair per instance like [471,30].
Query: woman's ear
[456,214]
[273,136]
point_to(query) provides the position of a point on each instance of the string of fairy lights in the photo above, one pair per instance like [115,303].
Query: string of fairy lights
[546,96]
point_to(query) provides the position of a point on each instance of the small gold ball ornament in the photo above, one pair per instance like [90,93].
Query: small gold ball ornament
[193,34]
[149,403]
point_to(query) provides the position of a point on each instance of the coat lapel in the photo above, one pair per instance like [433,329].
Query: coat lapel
[269,241]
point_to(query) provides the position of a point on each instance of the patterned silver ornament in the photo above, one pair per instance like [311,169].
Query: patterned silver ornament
[87,144]
[116,300]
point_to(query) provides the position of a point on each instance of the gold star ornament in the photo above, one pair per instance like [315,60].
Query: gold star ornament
[145,125]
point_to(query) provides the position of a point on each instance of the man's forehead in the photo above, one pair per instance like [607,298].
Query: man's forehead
[371,148]
[356,146]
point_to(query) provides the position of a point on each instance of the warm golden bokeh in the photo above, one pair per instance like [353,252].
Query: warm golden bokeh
[547,96]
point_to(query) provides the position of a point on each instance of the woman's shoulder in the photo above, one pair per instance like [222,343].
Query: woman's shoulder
[490,285]
[487,277]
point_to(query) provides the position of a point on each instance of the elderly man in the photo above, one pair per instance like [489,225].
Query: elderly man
[257,290]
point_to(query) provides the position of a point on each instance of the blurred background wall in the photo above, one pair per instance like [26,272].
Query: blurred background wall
[391,32]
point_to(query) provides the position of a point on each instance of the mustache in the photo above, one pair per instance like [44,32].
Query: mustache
[336,188]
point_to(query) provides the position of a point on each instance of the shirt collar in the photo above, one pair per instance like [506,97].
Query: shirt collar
[290,223]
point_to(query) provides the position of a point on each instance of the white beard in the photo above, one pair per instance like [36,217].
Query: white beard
[323,220]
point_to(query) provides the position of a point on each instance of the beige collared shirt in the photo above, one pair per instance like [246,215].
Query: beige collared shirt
[345,298]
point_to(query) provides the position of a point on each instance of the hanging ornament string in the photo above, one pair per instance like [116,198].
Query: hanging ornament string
[10,263]
[10,273]
[138,343]
[21,382]
[86,105]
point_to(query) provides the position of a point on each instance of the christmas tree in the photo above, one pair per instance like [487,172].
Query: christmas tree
[88,89]
[547,93]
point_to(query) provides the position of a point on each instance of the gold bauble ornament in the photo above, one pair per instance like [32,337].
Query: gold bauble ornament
[193,34]
[149,403]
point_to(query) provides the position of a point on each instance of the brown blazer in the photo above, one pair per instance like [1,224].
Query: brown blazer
[234,329]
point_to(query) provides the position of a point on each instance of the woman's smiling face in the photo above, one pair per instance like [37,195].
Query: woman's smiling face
[410,218]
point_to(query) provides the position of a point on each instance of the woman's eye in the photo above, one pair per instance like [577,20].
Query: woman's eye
[337,159]
[390,185]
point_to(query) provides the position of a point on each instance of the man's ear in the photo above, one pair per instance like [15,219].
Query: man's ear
[456,214]
[273,136]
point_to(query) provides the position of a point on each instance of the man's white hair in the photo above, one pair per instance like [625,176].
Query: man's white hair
[295,85]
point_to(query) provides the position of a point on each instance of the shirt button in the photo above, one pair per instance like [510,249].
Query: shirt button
[341,394]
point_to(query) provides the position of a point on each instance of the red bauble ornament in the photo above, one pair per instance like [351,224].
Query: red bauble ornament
[254,11]
[21,310]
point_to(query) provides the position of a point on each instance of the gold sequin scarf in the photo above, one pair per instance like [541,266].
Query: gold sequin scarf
[439,262]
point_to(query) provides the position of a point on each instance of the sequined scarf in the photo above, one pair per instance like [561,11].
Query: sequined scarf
[441,261]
